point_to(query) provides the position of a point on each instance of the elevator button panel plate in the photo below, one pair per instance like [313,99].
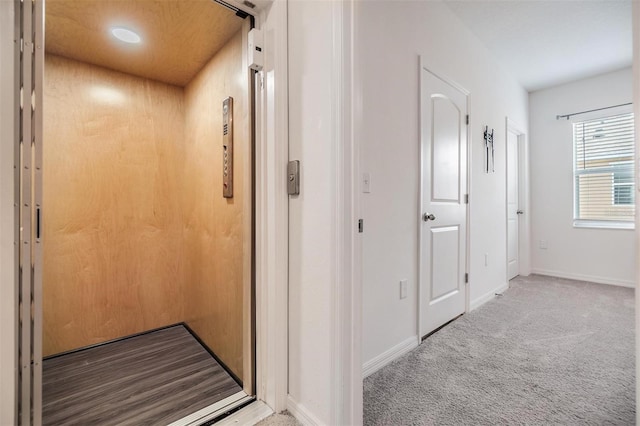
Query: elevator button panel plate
[227,148]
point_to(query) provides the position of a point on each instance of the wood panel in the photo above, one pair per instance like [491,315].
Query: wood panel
[153,379]
[113,154]
[218,230]
[178,37]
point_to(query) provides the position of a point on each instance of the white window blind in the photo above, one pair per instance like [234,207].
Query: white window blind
[603,170]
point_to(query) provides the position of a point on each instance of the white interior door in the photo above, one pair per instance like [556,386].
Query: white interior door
[512,205]
[444,212]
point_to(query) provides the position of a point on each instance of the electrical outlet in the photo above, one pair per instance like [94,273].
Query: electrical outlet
[486,259]
[403,289]
[543,244]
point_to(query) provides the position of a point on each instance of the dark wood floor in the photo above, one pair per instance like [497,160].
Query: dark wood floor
[152,379]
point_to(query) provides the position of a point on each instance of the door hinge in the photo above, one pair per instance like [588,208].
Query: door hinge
[466,278]
[467,119]
[360,225]
[466,198]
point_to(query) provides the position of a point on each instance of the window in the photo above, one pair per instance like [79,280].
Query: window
[603,172]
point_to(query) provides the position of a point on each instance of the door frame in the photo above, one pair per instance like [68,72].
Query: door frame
[9,211]
[272,210]
[424,66]
[523,199]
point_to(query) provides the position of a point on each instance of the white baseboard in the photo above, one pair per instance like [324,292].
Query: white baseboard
[301,413]
[389,355]
[581,277]
[475,304]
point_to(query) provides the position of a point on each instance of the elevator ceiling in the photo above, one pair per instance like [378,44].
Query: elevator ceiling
[178,37]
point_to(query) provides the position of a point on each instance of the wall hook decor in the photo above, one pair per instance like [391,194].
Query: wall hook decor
[489,150]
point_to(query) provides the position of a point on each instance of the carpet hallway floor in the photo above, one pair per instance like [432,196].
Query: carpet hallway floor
[549,351]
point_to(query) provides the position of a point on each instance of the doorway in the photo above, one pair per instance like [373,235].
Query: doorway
[443,236]
[515,210]
[147,212]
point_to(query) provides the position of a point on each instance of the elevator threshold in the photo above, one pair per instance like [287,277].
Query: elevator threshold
[162,377]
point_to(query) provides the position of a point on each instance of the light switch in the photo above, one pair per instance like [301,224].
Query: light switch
[366,183]
[403,289]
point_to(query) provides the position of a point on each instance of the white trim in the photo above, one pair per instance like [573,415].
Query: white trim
[212,411]
[450,82]
[584,277]
[604,224]
[420,204]
[347,387]
[272,213]
[339,294]
[353,411]
[390,355]
[475,304]
[302,413]
[249,415]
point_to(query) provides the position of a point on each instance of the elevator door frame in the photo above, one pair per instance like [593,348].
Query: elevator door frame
[29,79]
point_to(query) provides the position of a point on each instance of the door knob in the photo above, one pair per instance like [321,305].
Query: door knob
[428,216]
[519,212]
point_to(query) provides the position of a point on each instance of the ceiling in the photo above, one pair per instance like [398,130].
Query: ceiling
[546,43]
[178,37]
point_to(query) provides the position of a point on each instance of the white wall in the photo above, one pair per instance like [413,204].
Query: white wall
[390,37]
[315,216]
[7,259]
[599,255]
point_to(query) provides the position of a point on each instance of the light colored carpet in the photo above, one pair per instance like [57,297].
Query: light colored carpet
[282,419]
[549,351]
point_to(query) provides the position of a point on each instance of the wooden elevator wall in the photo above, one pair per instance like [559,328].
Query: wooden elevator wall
[113,263]
[217,230]
[137,234]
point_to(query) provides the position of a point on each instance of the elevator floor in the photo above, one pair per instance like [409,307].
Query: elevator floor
[150,379]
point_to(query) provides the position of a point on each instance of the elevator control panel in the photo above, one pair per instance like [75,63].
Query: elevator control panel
[227,148]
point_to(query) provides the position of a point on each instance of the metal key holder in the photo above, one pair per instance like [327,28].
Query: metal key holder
[489,150]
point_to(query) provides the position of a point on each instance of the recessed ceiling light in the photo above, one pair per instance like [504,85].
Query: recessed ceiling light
[125,35]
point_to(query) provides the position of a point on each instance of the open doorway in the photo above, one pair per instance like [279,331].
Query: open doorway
[147,216]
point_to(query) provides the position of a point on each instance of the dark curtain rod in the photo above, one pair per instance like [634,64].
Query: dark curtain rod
[567,116]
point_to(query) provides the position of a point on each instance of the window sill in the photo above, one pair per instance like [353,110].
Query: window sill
[597,224]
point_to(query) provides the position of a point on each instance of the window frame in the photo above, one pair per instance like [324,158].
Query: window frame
[600,223]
